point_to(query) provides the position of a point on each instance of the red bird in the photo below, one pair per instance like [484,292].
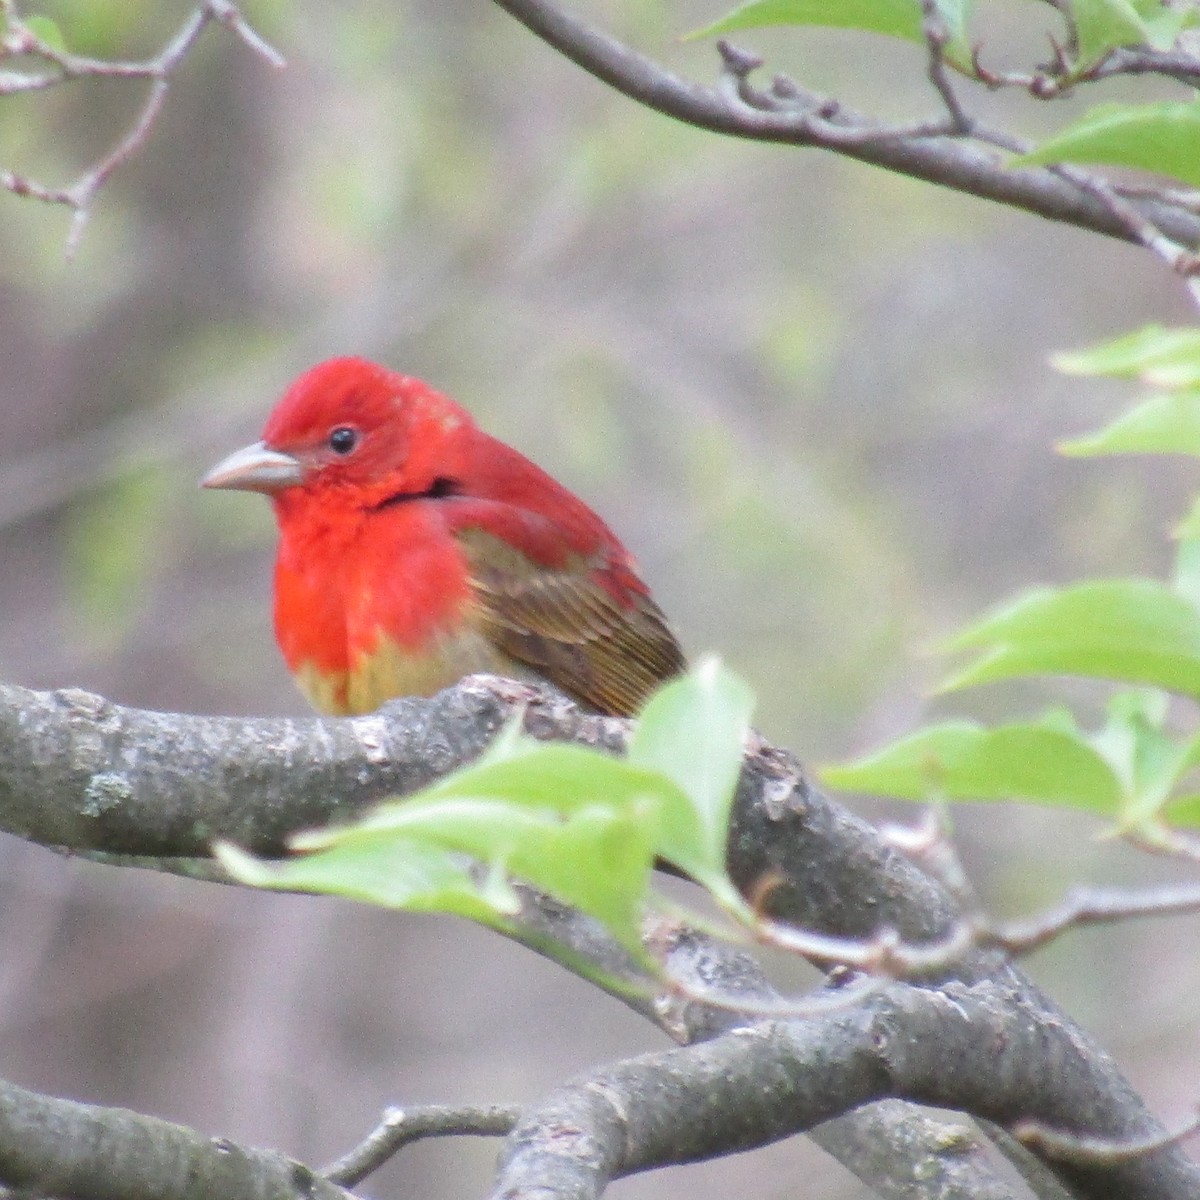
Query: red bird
[415,549]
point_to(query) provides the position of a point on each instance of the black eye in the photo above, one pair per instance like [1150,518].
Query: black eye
[343,439]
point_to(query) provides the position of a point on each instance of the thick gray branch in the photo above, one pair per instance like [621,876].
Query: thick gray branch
[948,161]
[981,1048]
[56,1148]
[80,772]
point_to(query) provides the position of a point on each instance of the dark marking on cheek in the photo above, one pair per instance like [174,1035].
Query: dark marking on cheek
[442,487]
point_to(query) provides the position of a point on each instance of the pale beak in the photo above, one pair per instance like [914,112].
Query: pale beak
[255,468]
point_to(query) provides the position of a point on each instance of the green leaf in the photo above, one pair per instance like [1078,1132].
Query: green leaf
[693,732]
[533,774]
[1167,424]
[571,821]
[1143,756]
[895,18]
[46,31]
[396,873]
[1183,810]
[1144,352]
[1163,138]
[1102,25]
[1040,763]
[104,28]
[597,859]
[413,875]
[1134,630]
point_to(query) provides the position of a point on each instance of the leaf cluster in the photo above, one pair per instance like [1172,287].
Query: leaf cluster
[583,826]
[1137,769]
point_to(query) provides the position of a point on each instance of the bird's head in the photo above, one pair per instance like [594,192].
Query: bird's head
[352,427]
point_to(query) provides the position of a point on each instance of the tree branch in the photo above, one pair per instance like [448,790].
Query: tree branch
[400,1127]
[980,1048]
[949,160]
[80,772]
[56,1148]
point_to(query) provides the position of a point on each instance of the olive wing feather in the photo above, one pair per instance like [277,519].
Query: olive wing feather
[570,628]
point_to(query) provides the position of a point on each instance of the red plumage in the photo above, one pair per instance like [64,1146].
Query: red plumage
[415,548]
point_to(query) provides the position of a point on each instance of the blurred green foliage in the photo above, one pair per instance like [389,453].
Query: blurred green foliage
[112,543]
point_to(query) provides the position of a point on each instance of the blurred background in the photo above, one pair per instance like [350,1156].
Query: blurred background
[813,398]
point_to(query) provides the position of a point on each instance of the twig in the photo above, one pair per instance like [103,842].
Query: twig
[1139,227]
[1156,219]
[1085,1150]
[887,955]
[1144,60]
[1092,906]
[230,16]
[82,192]
[19,41]
[844,991]
[1182,260]
[1176,843]
[1044,84]
[933,26]
[929,844]
[1188,198]
[1066,10]
[818,116]
[400,1126]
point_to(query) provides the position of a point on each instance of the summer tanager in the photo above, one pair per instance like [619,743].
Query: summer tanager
[415,549]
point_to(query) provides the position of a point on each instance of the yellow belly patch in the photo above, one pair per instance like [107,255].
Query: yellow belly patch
[389,670]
